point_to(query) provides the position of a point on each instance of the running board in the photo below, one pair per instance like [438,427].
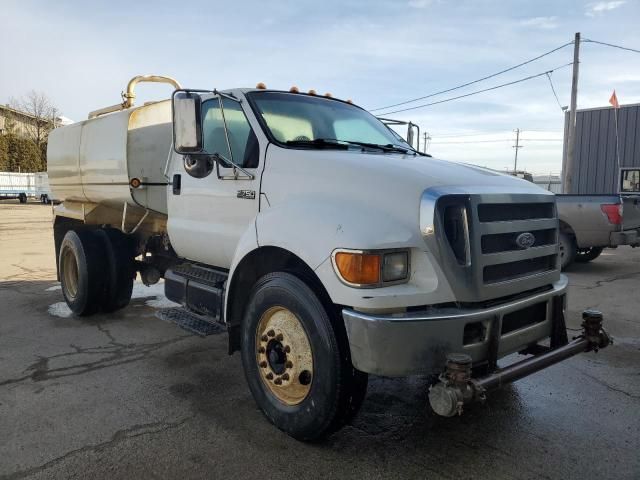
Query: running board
[189,321]
[197,287]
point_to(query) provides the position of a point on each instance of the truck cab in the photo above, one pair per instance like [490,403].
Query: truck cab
[326,246]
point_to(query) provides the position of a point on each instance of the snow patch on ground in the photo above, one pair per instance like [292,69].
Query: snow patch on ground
[157,291]
[60,309]
[154,296]
[54,288]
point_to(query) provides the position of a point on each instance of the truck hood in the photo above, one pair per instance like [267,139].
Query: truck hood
[370,170]
[329,198]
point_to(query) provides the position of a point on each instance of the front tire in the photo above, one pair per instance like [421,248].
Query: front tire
[296,359]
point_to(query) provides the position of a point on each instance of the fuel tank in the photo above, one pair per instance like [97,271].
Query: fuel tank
[94,161]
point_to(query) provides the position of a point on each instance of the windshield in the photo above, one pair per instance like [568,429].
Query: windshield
[294,119]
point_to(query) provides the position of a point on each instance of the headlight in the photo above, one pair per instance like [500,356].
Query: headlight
[395,266]
[372,268]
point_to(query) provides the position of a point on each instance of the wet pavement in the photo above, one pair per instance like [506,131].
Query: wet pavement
[126,395]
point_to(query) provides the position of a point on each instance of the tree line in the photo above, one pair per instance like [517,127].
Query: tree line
[26,151]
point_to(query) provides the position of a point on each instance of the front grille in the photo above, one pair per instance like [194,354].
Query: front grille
[503,272]
[496,245]
[456,230]
[506,242]
[505,212]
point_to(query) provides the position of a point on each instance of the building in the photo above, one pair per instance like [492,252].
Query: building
[22,123]
[599,155]
[551,182]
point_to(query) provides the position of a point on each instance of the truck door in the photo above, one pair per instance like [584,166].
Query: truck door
[210,209]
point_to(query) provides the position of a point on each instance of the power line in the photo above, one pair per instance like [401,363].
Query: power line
[474,81]
[470,142]
[612,45]
[473,141]
[478,133]
[530,77]
[554,91]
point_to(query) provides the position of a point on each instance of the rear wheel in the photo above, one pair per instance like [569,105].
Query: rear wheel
[584,255]
[22,198]
[296,359]
[120,273]
[567,249]
[82,265]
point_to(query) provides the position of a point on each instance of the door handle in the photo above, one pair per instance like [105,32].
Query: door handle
[176,183]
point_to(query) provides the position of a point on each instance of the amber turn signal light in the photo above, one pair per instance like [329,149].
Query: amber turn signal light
[358,268]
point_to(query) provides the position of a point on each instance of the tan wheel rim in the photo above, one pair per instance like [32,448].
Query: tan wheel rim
[69,267]
[284,357]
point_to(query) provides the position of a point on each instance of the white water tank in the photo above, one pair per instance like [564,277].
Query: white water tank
[95,160]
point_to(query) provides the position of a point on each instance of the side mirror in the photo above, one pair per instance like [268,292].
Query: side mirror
[187,122]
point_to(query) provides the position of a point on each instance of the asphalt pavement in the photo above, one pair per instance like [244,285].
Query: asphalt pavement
[126,395]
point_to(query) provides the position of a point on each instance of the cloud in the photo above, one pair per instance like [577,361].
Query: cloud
[419,3]
[598,8]
[544,23]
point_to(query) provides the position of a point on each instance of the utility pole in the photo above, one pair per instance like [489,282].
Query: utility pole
[427,141]
[516,146]
[567,168]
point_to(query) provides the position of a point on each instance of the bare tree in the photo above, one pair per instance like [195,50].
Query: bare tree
[38,106]
[42,113]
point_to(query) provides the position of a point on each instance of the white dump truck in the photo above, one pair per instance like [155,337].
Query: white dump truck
[323,244]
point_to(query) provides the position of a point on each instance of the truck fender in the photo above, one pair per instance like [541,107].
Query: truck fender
[313,227]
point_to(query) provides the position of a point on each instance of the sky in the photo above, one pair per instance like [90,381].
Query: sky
[82,54]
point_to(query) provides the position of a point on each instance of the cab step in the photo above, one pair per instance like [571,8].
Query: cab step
[198,287]
[190,321]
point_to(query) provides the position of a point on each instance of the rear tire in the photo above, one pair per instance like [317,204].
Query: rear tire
[287,333]
[22,198]
[120,273]
[82,266]
[567,249]
[584,255]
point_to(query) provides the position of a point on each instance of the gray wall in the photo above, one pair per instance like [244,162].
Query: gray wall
[595,167]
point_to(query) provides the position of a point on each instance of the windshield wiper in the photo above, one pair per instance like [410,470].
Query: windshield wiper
[344,144]
[389,147]
[319,143]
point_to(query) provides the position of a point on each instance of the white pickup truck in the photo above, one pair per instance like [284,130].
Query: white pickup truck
[323,244]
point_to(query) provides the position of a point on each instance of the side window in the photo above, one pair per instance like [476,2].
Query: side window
[630,181]
[244,144]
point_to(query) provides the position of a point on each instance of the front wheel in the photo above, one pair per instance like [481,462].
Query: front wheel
[296,359]
[584,255]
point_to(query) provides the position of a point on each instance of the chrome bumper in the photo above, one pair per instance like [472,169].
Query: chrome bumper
[418,342]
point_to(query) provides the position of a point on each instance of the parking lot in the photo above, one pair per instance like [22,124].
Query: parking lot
[125,395]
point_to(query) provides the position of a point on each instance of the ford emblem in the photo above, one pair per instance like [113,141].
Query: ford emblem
[525,240]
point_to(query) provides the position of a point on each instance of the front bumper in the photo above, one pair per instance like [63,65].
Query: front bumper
[418,342]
